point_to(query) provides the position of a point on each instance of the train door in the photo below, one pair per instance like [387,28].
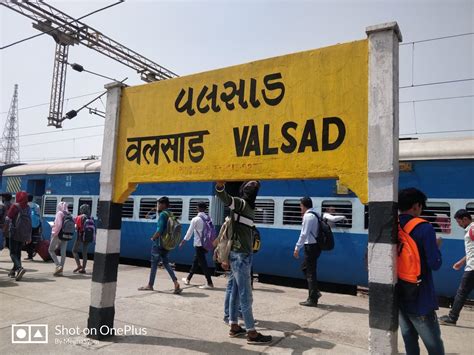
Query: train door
[37,188]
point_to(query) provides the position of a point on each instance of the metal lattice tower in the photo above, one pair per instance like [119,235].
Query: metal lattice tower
[10,146]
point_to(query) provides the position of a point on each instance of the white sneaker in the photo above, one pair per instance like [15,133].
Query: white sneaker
[185,280]
[206,286]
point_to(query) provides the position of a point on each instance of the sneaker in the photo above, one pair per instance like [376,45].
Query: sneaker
[12,274]
[77,269]
[206,286]
[20,274]
[82,271]
[259,339]
[226,320]
[58,271]
[309,303]
[185,280]
[237,333]
[447,320]
[28,259]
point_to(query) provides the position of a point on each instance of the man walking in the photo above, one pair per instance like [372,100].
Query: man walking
[417,316]
[18,222]
[240,259]
[464,220]
[307,240]
[157,251]
[197,228]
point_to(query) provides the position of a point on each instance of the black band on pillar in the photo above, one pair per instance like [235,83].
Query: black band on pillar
[383,222]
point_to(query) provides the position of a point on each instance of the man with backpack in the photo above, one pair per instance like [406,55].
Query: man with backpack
[204,234]
[85,228]
[62,231]
[36,227]
[164,240]
[4,208]
[242,214]
[312,251]
[464,220]
[417,301]
[18,222]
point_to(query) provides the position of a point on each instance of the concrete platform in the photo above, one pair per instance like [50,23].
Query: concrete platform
[186,323]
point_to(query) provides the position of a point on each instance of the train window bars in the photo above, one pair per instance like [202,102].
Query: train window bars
[148,208]
[193,206]
[439,215]
[292,212]
[70,203]
[127,208]
[339,208]
[470,208]
[264,211]
[50,204]
[176,206]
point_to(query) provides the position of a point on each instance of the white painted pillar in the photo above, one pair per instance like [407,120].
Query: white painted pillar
[383,186]
[107,248]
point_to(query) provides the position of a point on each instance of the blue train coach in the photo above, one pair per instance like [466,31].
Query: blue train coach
[442,168]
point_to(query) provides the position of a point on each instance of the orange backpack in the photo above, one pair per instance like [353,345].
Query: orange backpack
[408,265]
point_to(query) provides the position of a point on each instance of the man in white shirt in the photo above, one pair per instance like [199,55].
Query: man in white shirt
[330,217]
[464,220]
[307,240]
[197,228]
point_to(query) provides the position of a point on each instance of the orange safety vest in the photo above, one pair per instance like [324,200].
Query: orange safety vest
[409,265]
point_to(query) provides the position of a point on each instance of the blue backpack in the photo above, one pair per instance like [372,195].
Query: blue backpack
[35,217]
[209,233]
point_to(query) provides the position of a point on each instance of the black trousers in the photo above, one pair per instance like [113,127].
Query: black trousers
[200,261]
[309,268]
[465,288]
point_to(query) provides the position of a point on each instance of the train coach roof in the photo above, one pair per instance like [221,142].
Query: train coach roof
[423,149]
[65,167]
[437,149]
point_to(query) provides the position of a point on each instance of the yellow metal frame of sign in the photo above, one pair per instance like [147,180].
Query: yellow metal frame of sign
[298,116]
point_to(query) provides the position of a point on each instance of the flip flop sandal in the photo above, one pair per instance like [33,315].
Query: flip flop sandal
[177,291]
[145,288]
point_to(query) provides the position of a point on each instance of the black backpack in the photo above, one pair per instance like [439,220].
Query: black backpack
[325,238]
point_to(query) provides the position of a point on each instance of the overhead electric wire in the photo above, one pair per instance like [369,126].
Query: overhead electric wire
[47,103]
[438,132]
[62,140]
[437,38]
[436,83]
[437,99]
[56,131]
[55,29]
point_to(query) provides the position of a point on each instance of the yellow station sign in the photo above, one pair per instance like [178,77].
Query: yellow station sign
[298,116]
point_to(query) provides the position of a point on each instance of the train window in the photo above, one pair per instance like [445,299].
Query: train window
[70,203]
[50,204]
[264,211]
[339,208]
[176,206]
[147,208]
[85,201]
[127,208]
[291,212]
[193,206]
[438,214]
[470,208]
[366,217]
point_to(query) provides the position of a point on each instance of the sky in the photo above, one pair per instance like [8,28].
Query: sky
[189,37]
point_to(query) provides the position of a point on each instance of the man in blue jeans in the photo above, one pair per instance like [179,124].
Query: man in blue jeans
[157,251]
[417,315]
[240,260]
